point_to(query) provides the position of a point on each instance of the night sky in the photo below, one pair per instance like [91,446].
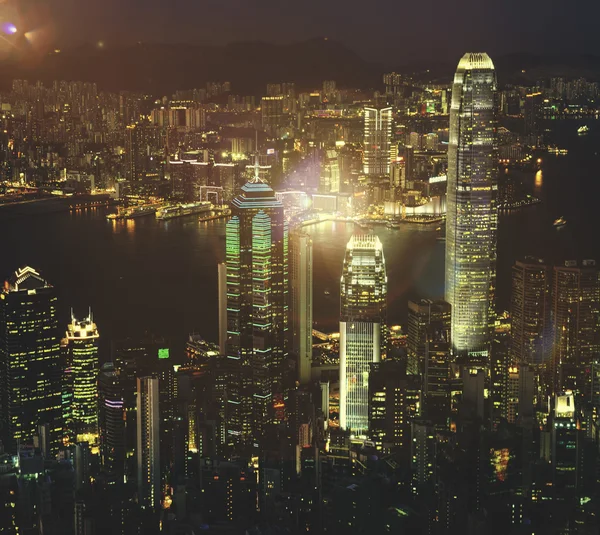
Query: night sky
[392,31]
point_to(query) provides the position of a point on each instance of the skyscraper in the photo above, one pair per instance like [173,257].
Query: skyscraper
[111,423]
[575,313]
[530,312]
[301,307]
[421,315]
[471,220]
[30,368]
[148,442]
[377,139]
[257,307]
[82,360]
[363,339]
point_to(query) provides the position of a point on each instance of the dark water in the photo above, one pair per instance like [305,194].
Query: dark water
[148,276]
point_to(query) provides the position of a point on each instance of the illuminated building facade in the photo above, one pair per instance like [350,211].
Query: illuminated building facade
[82,362]
[422,314]
[257,308]
[530,312]
[148,442]
[377,140]
[111,414]
[471,220]
[565,447]
[363,339]
[30,367]
[575,313]
[437,375]
[394,402]
[301,306]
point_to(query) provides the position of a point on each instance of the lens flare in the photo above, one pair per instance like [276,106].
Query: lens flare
[9,28]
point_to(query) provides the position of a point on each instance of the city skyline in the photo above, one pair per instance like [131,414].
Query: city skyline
[269,349]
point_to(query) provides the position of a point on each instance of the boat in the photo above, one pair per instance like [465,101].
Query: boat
[327,292]
[582,130]
[112,217]
[140,211]
[392,225]
[560,222]
[180,210]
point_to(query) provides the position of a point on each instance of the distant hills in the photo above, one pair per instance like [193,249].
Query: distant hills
[160,69]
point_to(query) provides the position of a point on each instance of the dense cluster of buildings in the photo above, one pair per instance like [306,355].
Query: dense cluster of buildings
[480,423]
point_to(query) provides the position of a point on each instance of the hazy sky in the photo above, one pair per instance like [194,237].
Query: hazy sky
[393,30]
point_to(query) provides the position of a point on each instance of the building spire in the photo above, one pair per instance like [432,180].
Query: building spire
[256,179]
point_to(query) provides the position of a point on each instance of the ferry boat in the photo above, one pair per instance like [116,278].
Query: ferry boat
[582,130]
[140,211]
[180,210]
[560,222]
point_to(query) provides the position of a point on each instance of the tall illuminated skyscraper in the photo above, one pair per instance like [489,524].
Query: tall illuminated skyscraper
[301,307]
[471,219]
[377,139]
[148,442]
[363,339]
[257,308]
[82,361]
[30,368]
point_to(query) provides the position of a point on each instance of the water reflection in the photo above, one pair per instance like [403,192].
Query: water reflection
[539,180]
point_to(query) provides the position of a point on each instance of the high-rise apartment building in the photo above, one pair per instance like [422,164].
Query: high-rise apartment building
[576,317]
[471,222]
[531,329]
[363,339]
[273,116]
[301,306]
[30,367]
[377,139]
[257,307]
[82,340]
[148,442]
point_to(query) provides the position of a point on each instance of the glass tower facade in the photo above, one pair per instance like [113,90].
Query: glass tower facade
[377,139]
[363,338]
[471,219]
[257,309]
[82,361]
[30,366]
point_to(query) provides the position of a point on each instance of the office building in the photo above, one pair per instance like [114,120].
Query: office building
[363,339]
[471,220]
[436,385]
[111,424]
[30,376]
[330,178]
[82,362]
[423,448]
[530,312]
[257,307]
[421,315]
[148,442]
[534,103]
[394,402]
[576,316]
[565,447]
[222,289]
[377,139]
[301,305]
